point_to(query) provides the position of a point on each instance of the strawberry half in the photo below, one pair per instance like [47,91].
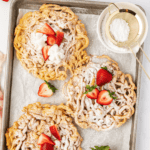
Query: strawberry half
[105,97]
[47,146]
[103,76]
[44,139]
[92,92]
[46,29]
[59,37]
[46,89]
[55,132]
[45,50]
[51,40]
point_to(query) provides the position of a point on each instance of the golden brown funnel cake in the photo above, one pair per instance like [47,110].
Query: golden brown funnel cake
[87,112]
[36,120]
[75,41]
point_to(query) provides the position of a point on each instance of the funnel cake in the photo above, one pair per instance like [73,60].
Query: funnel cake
[75,41]
[87,112]
[36,120]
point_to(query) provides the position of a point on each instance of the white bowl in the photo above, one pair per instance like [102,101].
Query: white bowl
[103,17]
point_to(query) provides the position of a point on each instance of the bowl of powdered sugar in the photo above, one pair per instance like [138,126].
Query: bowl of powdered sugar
[120,29]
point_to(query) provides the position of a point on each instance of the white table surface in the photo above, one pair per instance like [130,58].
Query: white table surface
[143,127]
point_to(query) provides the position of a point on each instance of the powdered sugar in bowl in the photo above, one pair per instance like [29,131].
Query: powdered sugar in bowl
[103,36]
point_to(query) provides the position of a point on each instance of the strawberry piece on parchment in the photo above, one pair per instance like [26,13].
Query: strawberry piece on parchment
[46,89]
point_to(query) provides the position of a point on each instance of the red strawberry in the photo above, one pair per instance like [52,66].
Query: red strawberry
[44,139]
[5,0]
[103,76]
[46,146]
[45,50]
[46,29]
[92,92]
[55,132]
[105,97]
[59,37]
[46,90]
[51,40]
[41,147]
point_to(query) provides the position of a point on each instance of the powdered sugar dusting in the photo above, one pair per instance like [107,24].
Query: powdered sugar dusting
[120,29]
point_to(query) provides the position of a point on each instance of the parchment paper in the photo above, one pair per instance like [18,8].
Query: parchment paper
[25,87]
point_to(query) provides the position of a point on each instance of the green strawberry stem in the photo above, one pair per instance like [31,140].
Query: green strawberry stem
[101,148]
[50,86]
[111,94]
[90,88]
[105,68]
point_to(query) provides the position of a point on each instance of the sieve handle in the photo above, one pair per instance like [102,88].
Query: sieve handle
[144,52]
[139,63]
[114,5]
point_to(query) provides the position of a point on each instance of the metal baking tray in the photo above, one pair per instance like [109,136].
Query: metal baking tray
[92,7]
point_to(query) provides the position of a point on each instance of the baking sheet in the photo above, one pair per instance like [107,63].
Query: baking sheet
[25,87]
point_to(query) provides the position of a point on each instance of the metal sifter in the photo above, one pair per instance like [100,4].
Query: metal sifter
[136,30]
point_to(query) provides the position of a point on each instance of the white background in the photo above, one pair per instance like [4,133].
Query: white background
[143,130]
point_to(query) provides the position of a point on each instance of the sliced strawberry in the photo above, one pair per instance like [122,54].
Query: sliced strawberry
[103,76]
[92,92]
[45,50]
[46,90]
[46,29]
[55,132]
[41,147]
[59,37]
[105,97]
[46,146]
[51,40]
[44,139]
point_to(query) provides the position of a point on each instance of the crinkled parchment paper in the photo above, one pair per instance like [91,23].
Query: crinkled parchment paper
[25,88]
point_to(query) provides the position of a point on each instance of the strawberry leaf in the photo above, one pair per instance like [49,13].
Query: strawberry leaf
[90,88]
[86,92]
[114,97]
[105,68]
[101,148]
[50,86]
[111,94]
